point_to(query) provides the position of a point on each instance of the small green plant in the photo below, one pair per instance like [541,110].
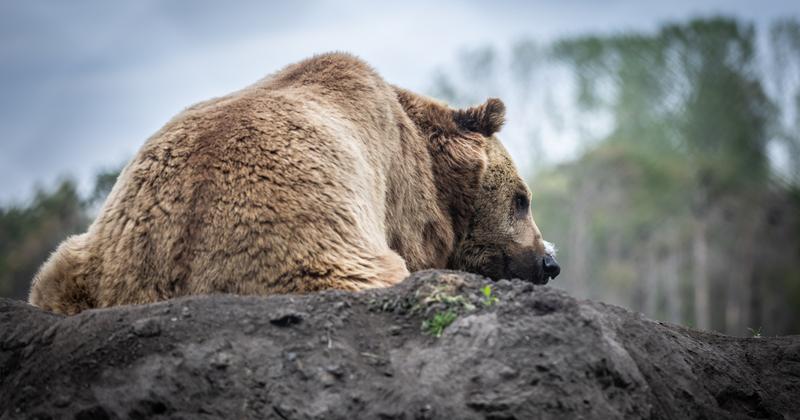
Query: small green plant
[450,306]
[755,333]
[441,295]
[441,320]
[488,298]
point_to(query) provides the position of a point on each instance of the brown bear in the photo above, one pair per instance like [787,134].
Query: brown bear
[321,176]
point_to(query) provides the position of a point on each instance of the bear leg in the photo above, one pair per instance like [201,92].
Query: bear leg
[60,285]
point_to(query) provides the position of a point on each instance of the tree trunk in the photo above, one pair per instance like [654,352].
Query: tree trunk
[578,244]
[737,312]
[671,278]
[700,268]
[651,280]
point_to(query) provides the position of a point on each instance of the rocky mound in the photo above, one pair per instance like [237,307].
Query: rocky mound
[439,345]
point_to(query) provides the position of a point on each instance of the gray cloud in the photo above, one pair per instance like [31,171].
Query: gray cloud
[85,83]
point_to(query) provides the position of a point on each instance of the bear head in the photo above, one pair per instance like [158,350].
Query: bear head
[481,191]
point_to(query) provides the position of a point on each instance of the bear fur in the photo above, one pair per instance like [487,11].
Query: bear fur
[321,176]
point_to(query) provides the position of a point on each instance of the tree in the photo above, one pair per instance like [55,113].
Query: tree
[29,233]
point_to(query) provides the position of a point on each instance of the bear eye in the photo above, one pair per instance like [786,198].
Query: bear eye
[521,205]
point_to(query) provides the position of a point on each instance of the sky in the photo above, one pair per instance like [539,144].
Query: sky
[85,83]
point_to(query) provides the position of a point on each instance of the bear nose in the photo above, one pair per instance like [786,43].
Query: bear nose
[550,267]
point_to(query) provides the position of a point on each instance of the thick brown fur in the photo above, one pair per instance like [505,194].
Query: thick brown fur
[321,176]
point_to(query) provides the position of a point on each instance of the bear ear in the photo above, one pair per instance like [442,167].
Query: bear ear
[485,119]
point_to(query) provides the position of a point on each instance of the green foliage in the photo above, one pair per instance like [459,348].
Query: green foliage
[447,306]
[436,325]
[29,233]
[441,294]
[488,298]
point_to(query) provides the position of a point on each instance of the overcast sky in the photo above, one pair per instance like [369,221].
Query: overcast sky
[84,83]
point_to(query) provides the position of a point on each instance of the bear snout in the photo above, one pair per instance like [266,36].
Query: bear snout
[527,264]
[550,267]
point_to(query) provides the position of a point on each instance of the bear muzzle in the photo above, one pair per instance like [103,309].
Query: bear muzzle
[550,267]
[527,264]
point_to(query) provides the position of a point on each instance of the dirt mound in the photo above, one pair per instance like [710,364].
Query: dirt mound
[439,345]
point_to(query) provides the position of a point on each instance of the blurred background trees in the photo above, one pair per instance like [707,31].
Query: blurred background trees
[681,198]
[29,233]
